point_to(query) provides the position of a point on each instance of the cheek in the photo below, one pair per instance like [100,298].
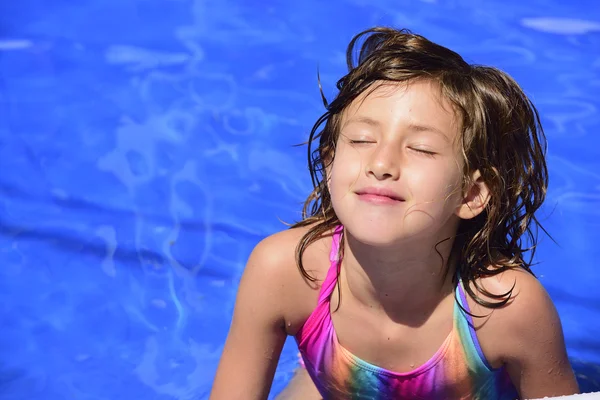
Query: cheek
[435,183]
[345,170]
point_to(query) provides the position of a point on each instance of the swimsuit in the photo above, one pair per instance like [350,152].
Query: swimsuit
[458,370]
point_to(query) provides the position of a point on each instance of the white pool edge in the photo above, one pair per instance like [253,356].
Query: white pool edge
[584,396]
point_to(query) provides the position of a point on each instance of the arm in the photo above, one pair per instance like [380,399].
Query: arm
[257,331]
[301,387]
[535,353]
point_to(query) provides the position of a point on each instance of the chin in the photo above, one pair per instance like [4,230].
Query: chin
[375,234]
[383,232]
[375,241]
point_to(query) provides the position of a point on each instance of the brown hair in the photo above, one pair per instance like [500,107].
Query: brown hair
[501,137]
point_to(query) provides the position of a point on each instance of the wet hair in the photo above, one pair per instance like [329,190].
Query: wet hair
[500,135]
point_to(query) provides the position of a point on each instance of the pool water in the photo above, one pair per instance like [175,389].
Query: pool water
[146,147]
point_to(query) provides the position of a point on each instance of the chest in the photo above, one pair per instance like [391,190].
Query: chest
[357,360]
[381,341]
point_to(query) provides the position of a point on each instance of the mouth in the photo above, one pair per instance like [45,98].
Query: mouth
[379,196]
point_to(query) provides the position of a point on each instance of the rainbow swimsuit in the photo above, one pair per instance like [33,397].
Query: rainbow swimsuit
[458,370]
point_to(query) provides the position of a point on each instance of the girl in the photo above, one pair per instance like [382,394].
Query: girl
[407,276]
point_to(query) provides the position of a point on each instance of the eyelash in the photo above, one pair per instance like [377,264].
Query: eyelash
[425,152]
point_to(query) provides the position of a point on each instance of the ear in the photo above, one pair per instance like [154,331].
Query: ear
[475,199]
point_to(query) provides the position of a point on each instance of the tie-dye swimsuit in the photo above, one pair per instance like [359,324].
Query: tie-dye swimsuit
[458,370]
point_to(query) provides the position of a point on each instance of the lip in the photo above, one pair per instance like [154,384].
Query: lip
[379,195]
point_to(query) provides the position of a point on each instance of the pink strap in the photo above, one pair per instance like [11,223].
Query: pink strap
[335,243]
[331,278]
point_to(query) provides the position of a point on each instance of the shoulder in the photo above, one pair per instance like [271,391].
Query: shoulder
[529,302]
[525,336]
[273,267]
[528,320]
[277,253]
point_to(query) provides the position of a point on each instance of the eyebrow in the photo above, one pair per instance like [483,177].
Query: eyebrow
[414,127]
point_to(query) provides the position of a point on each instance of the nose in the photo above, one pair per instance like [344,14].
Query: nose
[384,164]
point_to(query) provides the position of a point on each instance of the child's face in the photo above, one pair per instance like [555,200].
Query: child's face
[399,138]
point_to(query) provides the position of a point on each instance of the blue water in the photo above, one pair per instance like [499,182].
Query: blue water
[146,147]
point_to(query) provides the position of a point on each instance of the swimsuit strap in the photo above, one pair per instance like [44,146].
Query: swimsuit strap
[331,278]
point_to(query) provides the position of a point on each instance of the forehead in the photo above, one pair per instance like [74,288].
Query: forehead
[416,103]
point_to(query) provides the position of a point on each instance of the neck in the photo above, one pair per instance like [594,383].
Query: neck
[405,281]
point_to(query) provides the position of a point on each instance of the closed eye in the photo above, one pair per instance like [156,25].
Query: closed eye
[425,152]
[360,141]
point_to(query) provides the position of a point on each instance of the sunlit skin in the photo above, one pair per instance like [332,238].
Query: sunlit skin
[399,139]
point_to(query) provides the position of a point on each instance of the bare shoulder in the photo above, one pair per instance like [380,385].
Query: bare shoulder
[276,254]
[273,262]
[529,303]
[525,335]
